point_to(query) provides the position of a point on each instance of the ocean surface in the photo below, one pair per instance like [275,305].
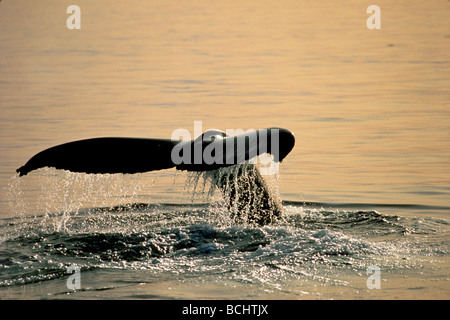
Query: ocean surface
[366,189]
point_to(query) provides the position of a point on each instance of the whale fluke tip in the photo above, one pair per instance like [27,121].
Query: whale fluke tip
[21,171]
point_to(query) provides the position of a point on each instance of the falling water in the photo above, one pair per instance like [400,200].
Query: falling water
[101,224]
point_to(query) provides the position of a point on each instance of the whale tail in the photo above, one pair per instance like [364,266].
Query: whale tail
[105,155]
[210,151]
[244,189]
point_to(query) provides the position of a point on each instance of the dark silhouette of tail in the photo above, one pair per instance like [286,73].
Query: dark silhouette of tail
[245,191]
[133,155]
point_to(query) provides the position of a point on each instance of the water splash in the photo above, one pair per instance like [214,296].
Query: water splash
[175,240]
[54,197]
[248,196]
[99,223]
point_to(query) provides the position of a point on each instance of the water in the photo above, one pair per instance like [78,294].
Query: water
[366,184]
[196,249]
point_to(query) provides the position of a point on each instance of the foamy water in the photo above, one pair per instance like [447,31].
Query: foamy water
[136,245]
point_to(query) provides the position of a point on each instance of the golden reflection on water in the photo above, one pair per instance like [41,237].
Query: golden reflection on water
[369,108]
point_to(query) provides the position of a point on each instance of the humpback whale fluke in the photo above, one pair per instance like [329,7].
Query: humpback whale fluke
[105,155]
[212,151]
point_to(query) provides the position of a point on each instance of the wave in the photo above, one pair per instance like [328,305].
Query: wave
[373,206]
[188,240]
